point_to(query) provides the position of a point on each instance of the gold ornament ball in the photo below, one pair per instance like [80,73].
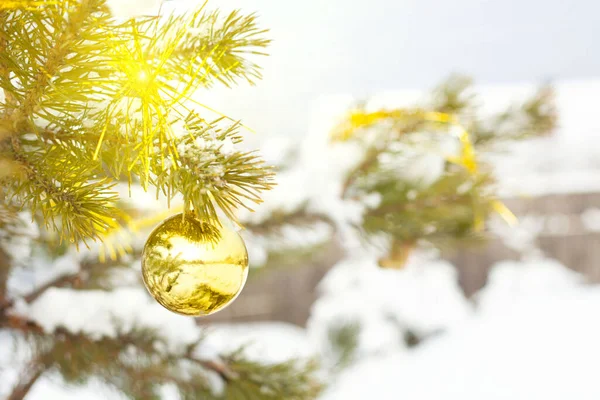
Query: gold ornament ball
[192,267]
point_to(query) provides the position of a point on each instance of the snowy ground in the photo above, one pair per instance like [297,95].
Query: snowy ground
[534,335]
[531,334]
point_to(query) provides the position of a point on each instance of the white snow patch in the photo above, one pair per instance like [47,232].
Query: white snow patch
[511,283]
[535,336]
[40,271]
[100,313]
[297,237]
[423,297]
[51,387]
[267,342]
[227,146]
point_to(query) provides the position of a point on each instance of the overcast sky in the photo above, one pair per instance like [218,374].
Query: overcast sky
[364,47]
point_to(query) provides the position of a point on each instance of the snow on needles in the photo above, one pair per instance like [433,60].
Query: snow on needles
[99,313]
[266,342]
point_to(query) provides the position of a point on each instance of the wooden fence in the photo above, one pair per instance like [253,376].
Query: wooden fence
[287,294]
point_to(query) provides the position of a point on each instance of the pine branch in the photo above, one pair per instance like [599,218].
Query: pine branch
[220,368]
[9,100]
[5,267]
[537,116]
[19,324]
[28,378]
[91,101]
[363,168]
[276,221]
[455,205]
[450,207]
[343,339]
[140,373]
[77,12]
[209,176]
[81,279]
[289,380]
[454,96]
[86,209]
[216,46]
[61,281]
[54,185]
[25,4]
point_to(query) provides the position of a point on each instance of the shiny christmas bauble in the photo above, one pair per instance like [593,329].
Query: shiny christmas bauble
[192,267]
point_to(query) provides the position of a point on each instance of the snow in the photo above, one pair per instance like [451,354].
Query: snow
[534,335]
[422,298]
[267,342]
[29,278]
[541,351]
[51,387]
[109,313]
[294,237]
[512,283]
[530,184]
